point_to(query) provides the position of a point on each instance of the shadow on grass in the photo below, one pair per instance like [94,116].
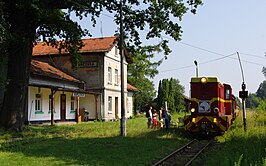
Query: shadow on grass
[65,150]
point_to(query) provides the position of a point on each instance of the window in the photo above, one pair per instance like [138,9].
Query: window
[109,75]
[116,77]
[38,106]
[72,104]
[109,104]
[88,64]
[227,94]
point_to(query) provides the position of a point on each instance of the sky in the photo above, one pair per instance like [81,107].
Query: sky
[212,37]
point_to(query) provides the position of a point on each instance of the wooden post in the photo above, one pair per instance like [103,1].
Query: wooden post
[96,106]
[78,115]
[53,91]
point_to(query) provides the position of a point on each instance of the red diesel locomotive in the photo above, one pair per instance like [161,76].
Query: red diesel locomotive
[213,107]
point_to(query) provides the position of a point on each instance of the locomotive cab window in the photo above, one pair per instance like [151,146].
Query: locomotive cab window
[227,93]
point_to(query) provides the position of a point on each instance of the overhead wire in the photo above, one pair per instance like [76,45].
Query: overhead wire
[190,66]
[253,55]
[206,50]
[212,52]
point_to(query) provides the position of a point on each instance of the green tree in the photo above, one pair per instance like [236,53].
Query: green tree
[262,106]
[179,95]
[172,92]
[256,99]
[261,92]
[165,91]
[139,73]
[29,20]
[264,71]
[171,95]
[159,96]
[22,19]
[252,101]
[3,57]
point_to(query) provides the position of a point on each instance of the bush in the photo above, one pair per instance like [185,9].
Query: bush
[262,106]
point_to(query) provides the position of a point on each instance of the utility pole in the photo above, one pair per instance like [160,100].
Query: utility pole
[243,95]
[123,118]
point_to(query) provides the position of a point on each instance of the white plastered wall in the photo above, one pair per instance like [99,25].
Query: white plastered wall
[129,104]
[45,114]
[88,102]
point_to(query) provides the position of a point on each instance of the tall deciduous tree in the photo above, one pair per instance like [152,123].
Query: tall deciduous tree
[139,73]
[30,19]
[3,54]
[255,99]
[179,91]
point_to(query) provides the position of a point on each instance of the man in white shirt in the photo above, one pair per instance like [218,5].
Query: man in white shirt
[149,116]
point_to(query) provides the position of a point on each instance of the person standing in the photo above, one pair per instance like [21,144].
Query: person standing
[167,120]
[149,116]
[154,118]
[160,113]
[163,115]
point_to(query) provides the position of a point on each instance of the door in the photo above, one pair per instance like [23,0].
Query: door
[63,107]
[116,108]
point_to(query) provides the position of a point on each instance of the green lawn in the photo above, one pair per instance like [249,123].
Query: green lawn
[88,143]
[100,143]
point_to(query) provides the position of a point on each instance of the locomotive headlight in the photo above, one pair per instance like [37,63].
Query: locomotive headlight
[192,110]
[216,110]
[203,80]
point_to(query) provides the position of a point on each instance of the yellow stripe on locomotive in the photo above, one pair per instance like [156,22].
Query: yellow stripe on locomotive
[207,123]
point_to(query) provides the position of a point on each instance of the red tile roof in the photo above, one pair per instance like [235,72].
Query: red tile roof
[90,45]
[44,69]
[132,88]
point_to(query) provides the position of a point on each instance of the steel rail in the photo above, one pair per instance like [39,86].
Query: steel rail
[189,163]
[173,153]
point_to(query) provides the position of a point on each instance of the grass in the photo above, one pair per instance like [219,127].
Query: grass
[100,143]
[238,147]
[88,143]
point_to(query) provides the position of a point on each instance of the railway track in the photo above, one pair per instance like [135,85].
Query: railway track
[185,155]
